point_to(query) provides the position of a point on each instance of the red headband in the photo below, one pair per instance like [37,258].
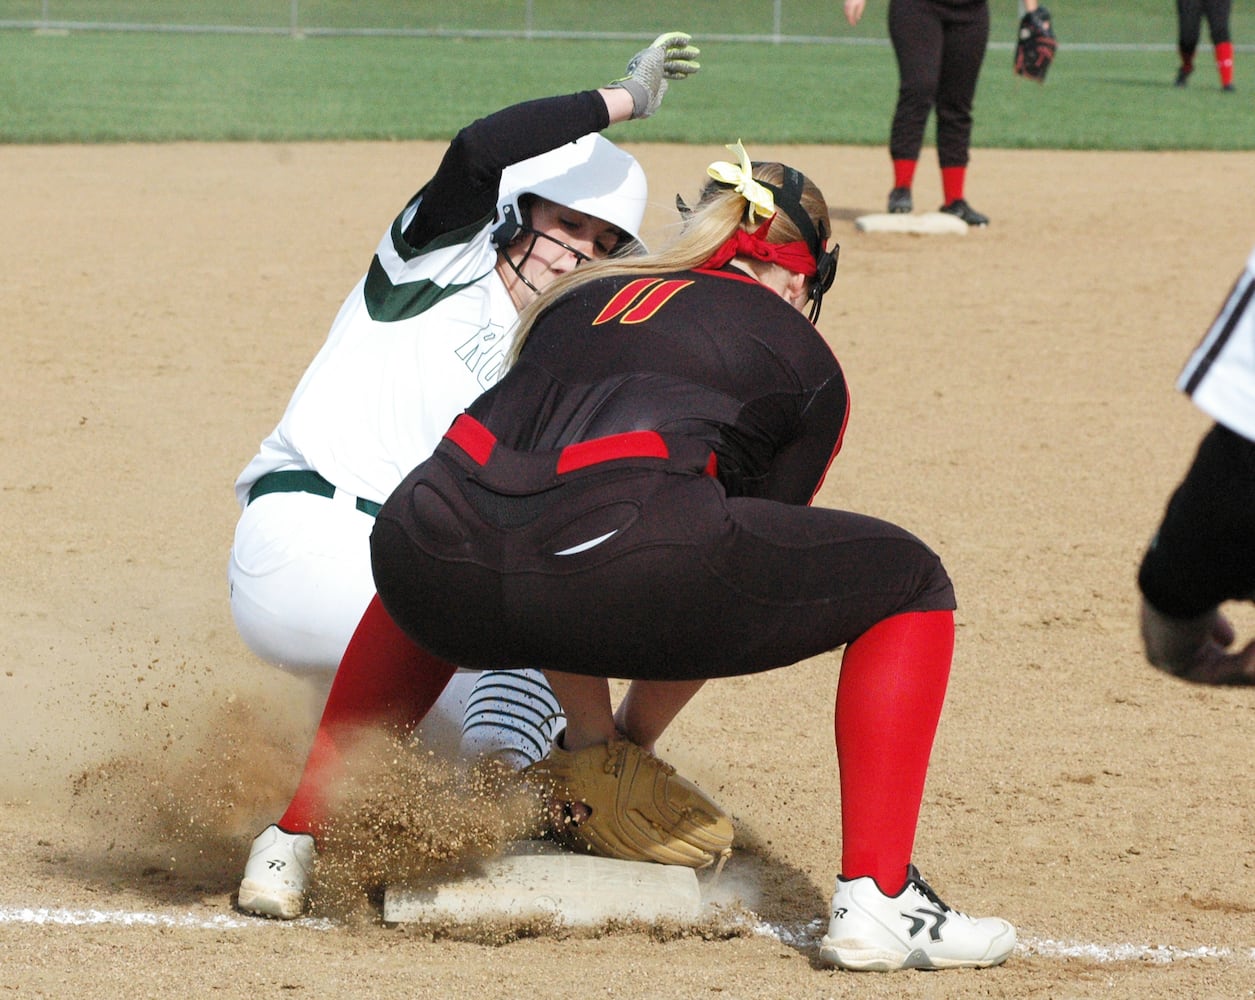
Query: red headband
[795,256]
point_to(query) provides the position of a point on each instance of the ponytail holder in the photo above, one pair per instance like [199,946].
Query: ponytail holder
[740,177]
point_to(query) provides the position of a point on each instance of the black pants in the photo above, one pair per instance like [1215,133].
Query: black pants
[940,47]
[632,568]
[1190,14]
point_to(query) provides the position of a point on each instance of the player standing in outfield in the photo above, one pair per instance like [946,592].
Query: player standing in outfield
[1190,14]
[940,46]
[520,198]
[632,500]
[1204,551]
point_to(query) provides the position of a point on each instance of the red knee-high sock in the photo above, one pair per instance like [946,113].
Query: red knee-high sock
[893,682]
[384,680]
[1224,63]
[903,173]
[953,181]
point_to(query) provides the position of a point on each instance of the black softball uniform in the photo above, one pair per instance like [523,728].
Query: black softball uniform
[631,500]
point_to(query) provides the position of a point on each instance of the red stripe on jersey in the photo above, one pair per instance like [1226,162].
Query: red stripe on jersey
[654,300]
[472,437]
[623,299]
[633,444]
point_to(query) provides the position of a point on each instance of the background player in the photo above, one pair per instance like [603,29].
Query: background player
[520,198]
[940,46]
[1204,551]
[1190,14]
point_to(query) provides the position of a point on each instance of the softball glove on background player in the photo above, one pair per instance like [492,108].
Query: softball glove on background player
[670,57]
[1036,46]
[639,809]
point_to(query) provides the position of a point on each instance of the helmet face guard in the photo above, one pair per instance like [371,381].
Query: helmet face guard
[509,230]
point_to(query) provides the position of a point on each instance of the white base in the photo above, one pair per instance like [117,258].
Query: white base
[928,223]
[537,879]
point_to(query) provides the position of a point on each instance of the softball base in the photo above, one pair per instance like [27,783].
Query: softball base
[537,879]
[926,223]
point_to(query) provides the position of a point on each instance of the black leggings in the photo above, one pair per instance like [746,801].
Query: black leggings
[1190,14]
[633,568]
[940,47]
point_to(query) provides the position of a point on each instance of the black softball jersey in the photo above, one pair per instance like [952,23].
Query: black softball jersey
[632,498]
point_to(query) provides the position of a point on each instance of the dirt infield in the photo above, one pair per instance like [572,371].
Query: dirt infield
[1013,404]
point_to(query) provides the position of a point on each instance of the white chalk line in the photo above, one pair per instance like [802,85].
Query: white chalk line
[801,937]
[129,918]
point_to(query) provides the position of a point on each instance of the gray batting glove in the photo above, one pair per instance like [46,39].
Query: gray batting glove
[670,57]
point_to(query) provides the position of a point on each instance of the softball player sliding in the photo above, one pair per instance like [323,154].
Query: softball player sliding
[521,197]
[1204,551]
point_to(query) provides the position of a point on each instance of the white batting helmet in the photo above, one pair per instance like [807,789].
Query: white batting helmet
[591,175]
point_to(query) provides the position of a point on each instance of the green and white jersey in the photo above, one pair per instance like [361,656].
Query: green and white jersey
[421,335]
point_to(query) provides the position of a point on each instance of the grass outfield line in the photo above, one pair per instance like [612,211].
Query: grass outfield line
[163,86]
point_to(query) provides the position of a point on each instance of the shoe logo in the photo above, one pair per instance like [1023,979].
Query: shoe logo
[278,864]
[839,913]
[920,918]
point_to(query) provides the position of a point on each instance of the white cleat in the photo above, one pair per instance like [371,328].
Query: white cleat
[872,932]
[277,874]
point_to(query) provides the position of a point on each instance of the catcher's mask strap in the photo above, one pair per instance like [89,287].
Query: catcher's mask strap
[789,198]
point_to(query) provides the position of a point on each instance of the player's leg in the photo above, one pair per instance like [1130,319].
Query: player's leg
[963,52]
[300,579]
[1218,12]
[1189,25]
[511,715]
[385,681]
[915,31]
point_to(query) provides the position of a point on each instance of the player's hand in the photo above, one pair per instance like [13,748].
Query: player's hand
[670,57]
[854,10]
[1197,650]
[1213,665]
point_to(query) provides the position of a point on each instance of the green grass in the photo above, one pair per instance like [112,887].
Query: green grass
[157,86]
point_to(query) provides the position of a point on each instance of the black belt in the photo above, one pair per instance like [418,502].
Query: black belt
[303,481]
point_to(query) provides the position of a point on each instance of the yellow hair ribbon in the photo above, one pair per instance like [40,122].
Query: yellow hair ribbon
[740,176]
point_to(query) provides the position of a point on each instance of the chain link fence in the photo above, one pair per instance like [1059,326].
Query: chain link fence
[811,21]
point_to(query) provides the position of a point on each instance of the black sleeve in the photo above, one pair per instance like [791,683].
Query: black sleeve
[1204,551]
[463,191]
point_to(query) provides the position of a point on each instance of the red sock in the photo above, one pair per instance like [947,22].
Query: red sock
[384,680]
[1224,63]
[903,173]
[953,180]
[893,682]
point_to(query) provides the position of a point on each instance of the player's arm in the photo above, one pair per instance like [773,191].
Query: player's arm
[464,189]
[798,469]
[1203,555]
